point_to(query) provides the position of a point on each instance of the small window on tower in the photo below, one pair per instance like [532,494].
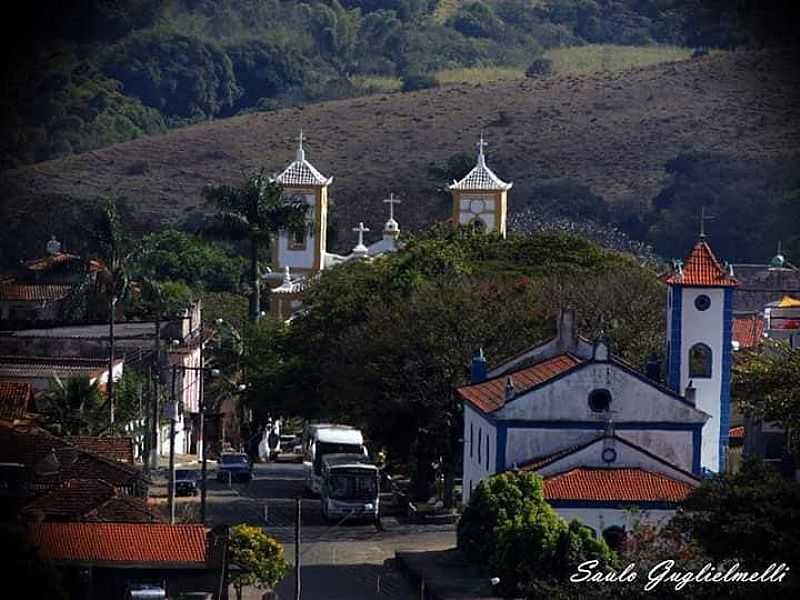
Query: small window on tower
[700,361]
[297,240]
[702,302]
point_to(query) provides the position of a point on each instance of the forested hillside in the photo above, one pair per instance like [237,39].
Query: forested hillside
[98,72]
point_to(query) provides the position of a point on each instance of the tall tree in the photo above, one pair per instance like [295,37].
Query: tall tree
[255,211]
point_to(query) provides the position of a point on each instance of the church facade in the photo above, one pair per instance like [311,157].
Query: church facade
[606,437]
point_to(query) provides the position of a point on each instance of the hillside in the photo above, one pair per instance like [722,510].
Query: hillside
[613,132]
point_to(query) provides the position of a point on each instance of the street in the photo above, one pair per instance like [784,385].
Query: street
[348,561]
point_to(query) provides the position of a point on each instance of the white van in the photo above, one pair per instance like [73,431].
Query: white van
[328,438]
[350,487]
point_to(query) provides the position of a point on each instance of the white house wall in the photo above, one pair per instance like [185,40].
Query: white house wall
[477,427]
[600,519]
[704,327]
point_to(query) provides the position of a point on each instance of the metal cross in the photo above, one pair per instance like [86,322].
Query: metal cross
[391,201]
[703,219]
[300,138]
[481,144]
[360,230]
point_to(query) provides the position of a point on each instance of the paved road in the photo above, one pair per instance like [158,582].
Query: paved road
[350,561]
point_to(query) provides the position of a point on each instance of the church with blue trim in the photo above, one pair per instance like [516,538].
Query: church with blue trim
[605,436]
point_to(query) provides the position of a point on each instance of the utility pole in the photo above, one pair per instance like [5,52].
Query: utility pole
[203,464]
[297,551]
[171,491]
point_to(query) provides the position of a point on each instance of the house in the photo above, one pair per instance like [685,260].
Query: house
[41,288]
[89,500]
[37,371]
[16,399]
[104,560]
[33,462]
[604,436]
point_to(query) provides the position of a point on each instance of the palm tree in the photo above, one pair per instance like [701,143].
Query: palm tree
[255,211]
[74,407]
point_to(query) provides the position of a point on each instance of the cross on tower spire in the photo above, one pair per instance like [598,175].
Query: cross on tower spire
[301,153]
[360,247]
[703,218]
[481,145]
[391,201]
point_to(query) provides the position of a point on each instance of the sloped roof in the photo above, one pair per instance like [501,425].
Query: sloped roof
[748,331]
[22,367]
[122,542]
[624,484]
[113,448]
[302,172]
[15,397]
[736,433]
[700,269]
[33,292]
[480,178]
[489,395]
[48,262]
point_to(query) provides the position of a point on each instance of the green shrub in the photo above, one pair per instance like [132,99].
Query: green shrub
[418,82]
[511,530]
[541,67]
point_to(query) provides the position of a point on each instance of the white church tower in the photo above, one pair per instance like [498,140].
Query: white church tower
[304,252]
[481,197]
[699,348]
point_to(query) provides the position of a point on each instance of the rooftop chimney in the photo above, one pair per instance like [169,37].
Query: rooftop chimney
[600,348]
[478,368]
[565,330]
[510,392]
[690,392]
[652,368]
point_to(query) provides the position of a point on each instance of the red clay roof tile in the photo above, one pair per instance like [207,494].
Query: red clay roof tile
[489,395]
[11,290]
[748,331]
[700,269]
[736,433]
[113,448]
[15,399]
[614,485]
[121,542]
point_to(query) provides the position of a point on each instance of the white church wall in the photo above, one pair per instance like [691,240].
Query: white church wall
[600,519]
[566,399]
[480,449]
[675,447]
[704,327]
[300,259]
[523,444]
[591,456]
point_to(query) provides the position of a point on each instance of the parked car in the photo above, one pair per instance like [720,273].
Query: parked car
[234,465]
[186,482]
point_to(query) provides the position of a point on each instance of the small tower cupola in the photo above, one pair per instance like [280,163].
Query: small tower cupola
[478,368]
[53,246]
[391,230]
[481,198]
[779,260]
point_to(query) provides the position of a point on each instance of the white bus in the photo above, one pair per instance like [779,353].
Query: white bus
[350,487]
[328,438]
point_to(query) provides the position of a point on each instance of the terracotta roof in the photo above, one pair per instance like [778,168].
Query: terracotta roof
[614,485]
[736,433]
[121,542]
[480,178]
[15,398]
[31,292]
[90,500]
[23,367]
[748,331]
[489,395]
[53,459]
[113,448]
[48,262]
[700,269]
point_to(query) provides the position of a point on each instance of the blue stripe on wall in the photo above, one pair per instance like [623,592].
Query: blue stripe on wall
[611,504]
[725,391]
[674,358]
[599,425]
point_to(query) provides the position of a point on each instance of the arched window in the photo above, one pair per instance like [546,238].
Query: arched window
[487,451]
[471,438]
[700,361]
[480,437]
[614,536]
[600,400]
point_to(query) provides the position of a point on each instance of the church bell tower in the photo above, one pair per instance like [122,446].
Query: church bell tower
[480,198]
[699,343]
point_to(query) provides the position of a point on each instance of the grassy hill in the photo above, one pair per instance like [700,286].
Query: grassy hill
[612,131]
